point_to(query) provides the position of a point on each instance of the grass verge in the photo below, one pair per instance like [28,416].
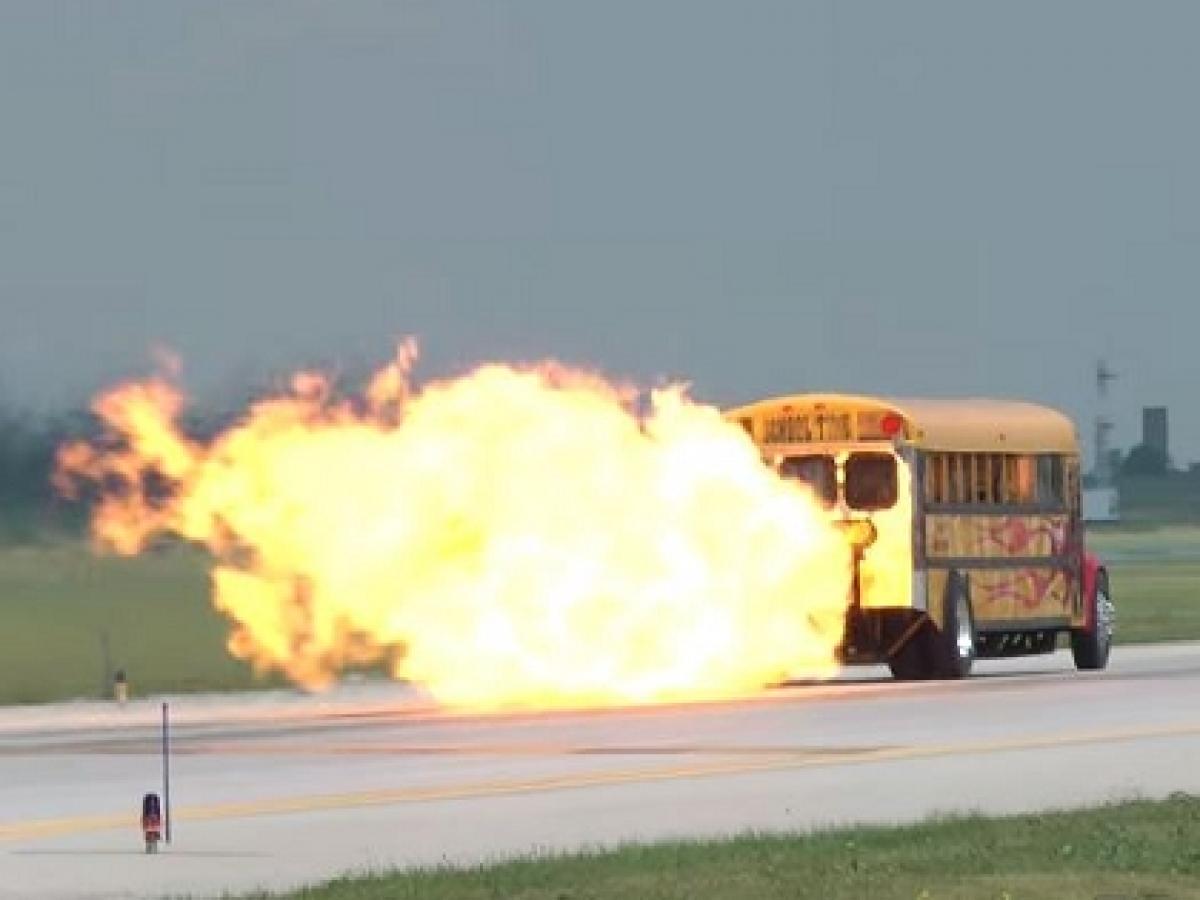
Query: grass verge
[1155,580]
[69,619]
[1156,601]
[1140,849]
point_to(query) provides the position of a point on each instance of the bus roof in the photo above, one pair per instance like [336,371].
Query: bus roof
[962,423]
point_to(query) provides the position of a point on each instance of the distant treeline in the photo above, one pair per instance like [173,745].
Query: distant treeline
[30,508]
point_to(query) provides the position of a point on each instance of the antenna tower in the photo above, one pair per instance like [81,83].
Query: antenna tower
[1102,469]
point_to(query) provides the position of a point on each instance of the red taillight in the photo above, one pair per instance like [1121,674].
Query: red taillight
[891,425]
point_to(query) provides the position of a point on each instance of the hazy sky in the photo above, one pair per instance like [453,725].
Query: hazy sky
[762,197]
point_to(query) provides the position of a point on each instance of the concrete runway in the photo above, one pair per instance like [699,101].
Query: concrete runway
[277,790]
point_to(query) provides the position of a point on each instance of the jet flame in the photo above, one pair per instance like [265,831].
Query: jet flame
[516,537]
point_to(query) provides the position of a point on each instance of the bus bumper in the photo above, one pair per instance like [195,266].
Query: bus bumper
[875,635]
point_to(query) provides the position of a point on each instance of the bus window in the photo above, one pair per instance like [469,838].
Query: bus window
[1019,483]
[1050,480]
[871,481]
[956,492]
[936,487]
[981,478]
[996,464]
[816,471]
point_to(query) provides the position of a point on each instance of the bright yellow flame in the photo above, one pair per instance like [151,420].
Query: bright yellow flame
[510,538]
[886,572]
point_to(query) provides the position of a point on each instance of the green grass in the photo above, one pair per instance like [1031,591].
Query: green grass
[1138,849]
[69,618]
[1155,574]
[1157,601]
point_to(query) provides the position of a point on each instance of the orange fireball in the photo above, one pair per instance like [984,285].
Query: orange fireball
[516,537]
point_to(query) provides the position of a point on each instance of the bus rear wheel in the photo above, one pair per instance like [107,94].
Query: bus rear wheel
[956,640]
[1091,647]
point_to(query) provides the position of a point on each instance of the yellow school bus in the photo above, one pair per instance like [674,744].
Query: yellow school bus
[964,523]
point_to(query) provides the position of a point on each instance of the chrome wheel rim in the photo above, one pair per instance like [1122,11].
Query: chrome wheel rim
[1106,615]
[964,640]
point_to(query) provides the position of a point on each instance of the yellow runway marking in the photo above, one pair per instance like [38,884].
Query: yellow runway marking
[742,766]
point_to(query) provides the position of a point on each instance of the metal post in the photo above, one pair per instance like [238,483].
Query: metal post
[166,761]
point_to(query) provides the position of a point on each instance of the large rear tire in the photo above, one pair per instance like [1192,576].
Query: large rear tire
[956,640]
[1092,647]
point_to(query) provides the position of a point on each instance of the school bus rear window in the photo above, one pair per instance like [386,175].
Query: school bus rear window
[818,471]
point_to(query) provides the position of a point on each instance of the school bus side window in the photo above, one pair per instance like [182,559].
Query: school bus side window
[981,479]
[935,478]
[954,482]
[1050,480]
[993,478]
[1020,486]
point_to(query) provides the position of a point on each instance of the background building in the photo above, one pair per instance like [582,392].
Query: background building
[1154,428]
